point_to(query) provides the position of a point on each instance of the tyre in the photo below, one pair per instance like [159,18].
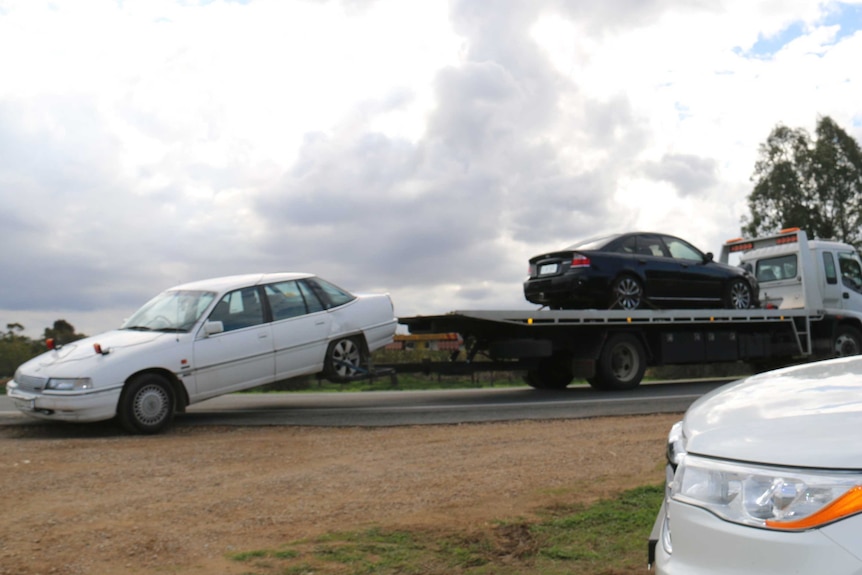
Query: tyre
[622,363]
[344,359]
[627,293]
[739,295]
[848,341]
[552,373]
[146,404]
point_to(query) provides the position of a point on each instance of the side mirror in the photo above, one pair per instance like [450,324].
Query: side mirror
[213,327]
[708,257]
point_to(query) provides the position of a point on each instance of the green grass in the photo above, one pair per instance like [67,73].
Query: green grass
[607,538]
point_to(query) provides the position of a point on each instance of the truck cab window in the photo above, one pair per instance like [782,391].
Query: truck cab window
[851,271]
[829,268]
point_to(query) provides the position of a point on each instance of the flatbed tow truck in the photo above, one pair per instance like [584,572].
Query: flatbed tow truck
[810,314]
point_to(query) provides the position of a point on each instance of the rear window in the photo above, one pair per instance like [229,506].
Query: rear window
[774,269]
[593,243]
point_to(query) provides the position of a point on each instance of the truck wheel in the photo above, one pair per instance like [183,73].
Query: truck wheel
[552,373]
[344,359]
[146,404]
[848,341]
[739,295]
[627,293]
[622,363]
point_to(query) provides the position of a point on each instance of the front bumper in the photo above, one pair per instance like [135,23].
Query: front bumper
[703,544]
[94,405]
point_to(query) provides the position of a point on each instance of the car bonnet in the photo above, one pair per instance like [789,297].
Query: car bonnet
[84,348]
[804,416]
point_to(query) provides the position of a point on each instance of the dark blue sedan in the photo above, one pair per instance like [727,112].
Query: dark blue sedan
[637,270]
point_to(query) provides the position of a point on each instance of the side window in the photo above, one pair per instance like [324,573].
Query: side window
[851,272]
[311,300]
[626,245]
[285,300]
[680,250]
[239,309]
[651,246]
[829,267]
[330,294]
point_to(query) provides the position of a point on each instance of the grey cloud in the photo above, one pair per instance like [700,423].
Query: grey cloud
[689,174]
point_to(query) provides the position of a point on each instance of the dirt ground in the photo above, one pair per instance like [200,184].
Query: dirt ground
[88,499]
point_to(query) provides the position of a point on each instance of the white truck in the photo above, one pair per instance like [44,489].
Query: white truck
[811,307]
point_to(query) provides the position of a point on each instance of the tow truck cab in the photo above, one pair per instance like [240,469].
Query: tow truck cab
[794,272]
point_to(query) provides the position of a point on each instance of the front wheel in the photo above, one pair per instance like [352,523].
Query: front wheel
[146,404]
[344,360]
[622,363]
[848,341]
[739,295]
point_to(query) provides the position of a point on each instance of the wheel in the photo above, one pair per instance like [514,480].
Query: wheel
[622,363]
[739,295]
[627,293]
[552,373]
[848,341]
[344,359]
[146,404]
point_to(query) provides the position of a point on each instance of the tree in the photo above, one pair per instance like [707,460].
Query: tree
[62,333]
[815,185]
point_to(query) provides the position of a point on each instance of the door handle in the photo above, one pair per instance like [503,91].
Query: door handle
[320,323]
[261,336]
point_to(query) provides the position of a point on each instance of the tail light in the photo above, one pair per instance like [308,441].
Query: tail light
[580,261]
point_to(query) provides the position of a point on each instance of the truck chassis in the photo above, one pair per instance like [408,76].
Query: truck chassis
[612,349]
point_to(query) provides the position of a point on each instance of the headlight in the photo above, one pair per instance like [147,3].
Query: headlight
[69,383]
[769,497]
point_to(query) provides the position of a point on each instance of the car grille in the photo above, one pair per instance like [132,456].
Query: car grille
[30,383]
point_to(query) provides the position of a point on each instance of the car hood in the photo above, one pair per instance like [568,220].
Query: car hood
[803,416]
[110,341]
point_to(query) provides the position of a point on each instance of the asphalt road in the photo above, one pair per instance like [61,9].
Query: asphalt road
[386,408]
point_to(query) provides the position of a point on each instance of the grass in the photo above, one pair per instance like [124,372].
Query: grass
[607,538]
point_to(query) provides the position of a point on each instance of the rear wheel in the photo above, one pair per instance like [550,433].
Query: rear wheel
[739,295]
[627,293]
[344,359]
[146,404]
[622,363]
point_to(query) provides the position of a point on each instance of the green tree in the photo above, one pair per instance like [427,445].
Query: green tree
[15,349]
[812,184]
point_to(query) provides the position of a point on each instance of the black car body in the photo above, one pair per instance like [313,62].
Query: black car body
[637,270]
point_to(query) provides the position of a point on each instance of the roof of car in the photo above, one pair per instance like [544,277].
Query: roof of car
[227,283]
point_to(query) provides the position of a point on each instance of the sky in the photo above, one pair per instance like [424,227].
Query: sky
[425,149]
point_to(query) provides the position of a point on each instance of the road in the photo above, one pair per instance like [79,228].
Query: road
[387,408]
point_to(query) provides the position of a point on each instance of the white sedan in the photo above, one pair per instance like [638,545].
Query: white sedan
[765,476]
[203,339]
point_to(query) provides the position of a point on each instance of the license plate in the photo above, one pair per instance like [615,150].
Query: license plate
[548,269]
[25,404]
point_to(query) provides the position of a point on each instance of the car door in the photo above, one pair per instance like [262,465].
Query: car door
[697,281]
[656,265]
[242,355]
[300,329]
[830,286]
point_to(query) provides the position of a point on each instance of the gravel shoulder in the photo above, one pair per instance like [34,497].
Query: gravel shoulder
[87,499]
